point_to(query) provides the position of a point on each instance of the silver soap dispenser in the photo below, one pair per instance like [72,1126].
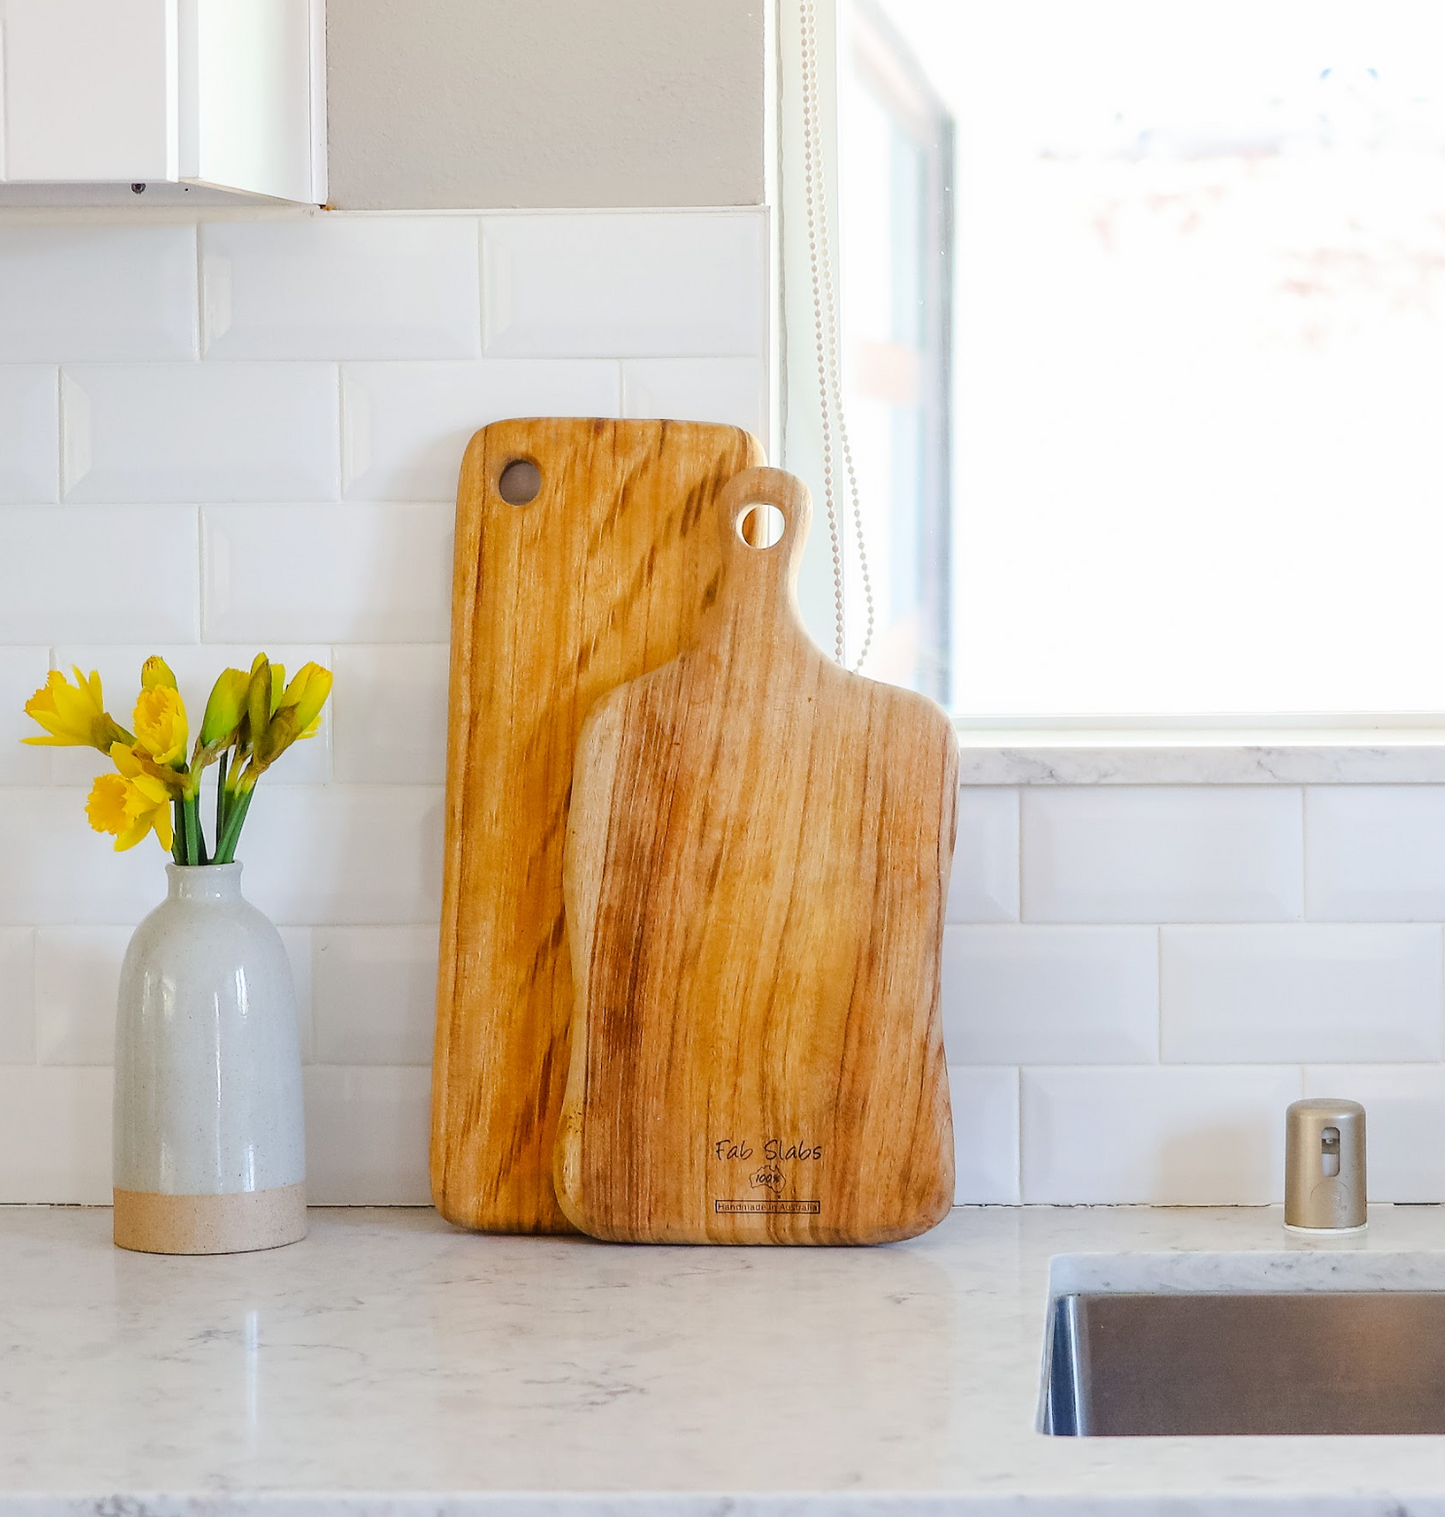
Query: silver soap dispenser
[1324,1167]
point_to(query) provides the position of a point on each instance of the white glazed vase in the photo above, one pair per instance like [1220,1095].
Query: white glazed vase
[210,1145]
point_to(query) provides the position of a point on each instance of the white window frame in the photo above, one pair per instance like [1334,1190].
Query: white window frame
[1294,749]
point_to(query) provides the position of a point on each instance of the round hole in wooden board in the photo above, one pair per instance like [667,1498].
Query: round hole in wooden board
[761,526]
[520,482]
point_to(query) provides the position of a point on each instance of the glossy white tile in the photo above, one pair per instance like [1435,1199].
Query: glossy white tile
[1163,854]
[367,1131]
[390,714]
[77,975]
[624,285]
[55,1135]
[196,666]
[341,287]
[730,390]
[93,574]
[82,291]
[376,991]
[17,996]
[985,1106]
[984,883]
[29,433]
[407,425]
[338,574]
[22,672]
[200,432]
[1050,995]
[344,854]
[57,870]
[1267,994]
[1375,853]
[1404,1115]
[1161,1135]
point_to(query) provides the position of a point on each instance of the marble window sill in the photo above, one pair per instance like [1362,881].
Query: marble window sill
[1305,756]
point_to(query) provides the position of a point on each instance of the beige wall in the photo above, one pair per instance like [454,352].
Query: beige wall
[488,103]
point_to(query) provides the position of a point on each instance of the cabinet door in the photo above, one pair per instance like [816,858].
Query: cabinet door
[89,90]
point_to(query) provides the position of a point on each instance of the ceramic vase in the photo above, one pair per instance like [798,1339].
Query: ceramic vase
[210,1149]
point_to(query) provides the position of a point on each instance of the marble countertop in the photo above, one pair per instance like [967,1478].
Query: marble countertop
[392,1365]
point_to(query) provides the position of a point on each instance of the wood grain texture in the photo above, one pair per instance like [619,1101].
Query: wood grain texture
[603,576]
[757,862]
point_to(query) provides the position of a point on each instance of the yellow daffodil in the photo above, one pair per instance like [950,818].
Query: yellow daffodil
[160,725]
[130,804]
[295,715]
[251,719]
[225,708]
[156,671]
[73,716]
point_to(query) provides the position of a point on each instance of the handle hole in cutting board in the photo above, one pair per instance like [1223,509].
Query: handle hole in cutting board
[520,482]
[761,526]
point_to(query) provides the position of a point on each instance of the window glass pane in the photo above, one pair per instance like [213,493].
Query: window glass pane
[1198,354]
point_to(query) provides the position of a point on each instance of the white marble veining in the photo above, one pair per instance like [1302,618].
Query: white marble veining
[393,1367]
[1019,758]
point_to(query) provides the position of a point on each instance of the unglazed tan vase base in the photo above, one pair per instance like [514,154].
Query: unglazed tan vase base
[152,1223]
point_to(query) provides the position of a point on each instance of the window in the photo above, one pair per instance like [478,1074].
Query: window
[1143,312]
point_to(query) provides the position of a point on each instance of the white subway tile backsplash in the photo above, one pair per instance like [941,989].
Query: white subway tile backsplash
[367,1132]
[22,672]
[1050,995]
[201,432]
[1375,853]
[1162,854]
[1404,1113]
[29,433]
[406,425]
[390,715]
[376,990]
[87,292]
[625,285]
[351,573]
[344,854]
[56,870]
[1162,1135]
[77,977]
[196,666]
[89,574]
[55,1135]
[1268,995]
[985,1106]
[17,995]
[341,287]
[983,885]
[729,390]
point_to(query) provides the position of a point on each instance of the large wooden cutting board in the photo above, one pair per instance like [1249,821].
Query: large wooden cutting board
[757,861]
[601,577]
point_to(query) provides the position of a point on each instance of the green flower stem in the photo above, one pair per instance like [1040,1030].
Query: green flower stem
[195,849]
[178,832]
[226,844]
[220,800]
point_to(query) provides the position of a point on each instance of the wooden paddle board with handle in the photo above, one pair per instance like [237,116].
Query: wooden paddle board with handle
[599,578]
[757,862]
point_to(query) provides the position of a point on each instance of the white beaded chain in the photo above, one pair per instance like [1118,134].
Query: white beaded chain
[825,331]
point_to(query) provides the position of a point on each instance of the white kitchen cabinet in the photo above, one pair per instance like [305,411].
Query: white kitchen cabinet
[225,94]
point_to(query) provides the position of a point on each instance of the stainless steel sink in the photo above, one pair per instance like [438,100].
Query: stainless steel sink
[1168,1364]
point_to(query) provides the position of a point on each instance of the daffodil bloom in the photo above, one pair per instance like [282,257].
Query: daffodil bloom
[295,715]
[160,725]
[73,716]
[130,804]
[156,671]
[225,708]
